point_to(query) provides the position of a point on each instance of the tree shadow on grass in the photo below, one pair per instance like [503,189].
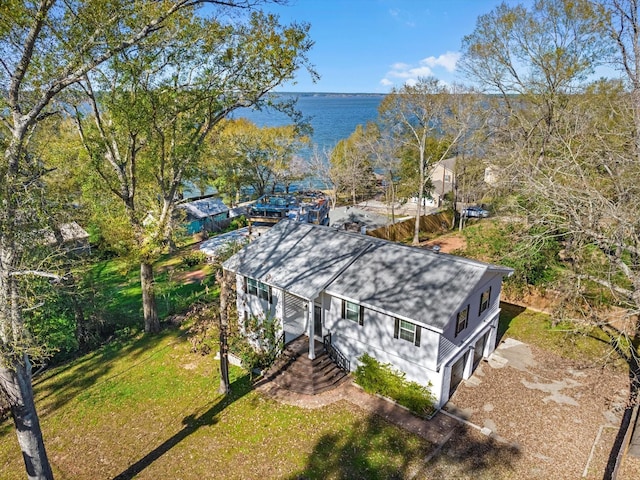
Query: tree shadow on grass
[239,388]
[373,450]
[56,388]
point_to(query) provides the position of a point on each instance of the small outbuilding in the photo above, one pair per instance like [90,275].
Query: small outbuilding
[71,237]
[204,214]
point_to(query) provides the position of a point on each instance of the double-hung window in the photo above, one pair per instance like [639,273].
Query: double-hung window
[407,331]
[259,289]
[485,299]
[353,311]
[463,320]
[263,291]
[252,286]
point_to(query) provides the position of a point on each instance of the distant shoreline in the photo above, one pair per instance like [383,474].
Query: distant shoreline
[331,94]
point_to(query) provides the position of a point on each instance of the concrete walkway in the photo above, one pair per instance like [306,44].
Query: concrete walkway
[437,430]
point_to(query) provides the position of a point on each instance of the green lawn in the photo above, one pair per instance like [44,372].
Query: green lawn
[121,295]
[149,408]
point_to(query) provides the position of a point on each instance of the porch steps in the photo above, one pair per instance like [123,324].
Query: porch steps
[294,371]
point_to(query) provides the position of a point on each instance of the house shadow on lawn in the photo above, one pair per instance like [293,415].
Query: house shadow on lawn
[371,451]
[508,311]
[239,388]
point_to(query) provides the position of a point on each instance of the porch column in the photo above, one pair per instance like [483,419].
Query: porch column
[468,367]
[309,317]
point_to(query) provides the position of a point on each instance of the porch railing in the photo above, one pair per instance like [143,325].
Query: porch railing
[279,346]
[335,354]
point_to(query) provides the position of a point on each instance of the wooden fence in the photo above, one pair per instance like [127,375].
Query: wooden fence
[435,223]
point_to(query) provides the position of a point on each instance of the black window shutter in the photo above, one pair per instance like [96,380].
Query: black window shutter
[246,288]
[418,329]
[344,306]
[270,295]
[396,329]
[361,319]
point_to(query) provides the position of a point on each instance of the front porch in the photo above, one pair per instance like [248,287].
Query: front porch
[296,372]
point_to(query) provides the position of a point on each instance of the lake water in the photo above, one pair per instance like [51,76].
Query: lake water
[332,116]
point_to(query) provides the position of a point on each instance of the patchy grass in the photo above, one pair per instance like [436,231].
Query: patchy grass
[178,286]
[149,408]
[535,328]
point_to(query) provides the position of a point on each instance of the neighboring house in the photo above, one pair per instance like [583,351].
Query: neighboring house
[204,214]
[442,180]
[431,315]
[74,238]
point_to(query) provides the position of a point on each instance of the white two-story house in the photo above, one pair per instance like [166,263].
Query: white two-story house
[431,315]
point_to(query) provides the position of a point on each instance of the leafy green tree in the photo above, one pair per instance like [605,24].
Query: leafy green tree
[245,155]
[46,47]
[155,111]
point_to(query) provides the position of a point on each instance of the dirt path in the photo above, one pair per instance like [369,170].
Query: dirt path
[447,244]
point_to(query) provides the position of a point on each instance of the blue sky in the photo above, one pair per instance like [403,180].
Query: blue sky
[369,46]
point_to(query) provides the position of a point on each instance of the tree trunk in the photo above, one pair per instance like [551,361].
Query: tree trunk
[15,368]
[82,330]
[149,307]
[225,386]
[416,230]
[16,384]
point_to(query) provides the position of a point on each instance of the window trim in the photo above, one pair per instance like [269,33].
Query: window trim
[252,286]
[484,305]
[259,289]
[360,312]
[397,331]
[263,291]
[460,326]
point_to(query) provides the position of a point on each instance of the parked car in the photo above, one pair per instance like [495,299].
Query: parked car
[477,212]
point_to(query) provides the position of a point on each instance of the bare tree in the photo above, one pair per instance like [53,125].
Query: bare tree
[568,151]
[321,171]
[424,118]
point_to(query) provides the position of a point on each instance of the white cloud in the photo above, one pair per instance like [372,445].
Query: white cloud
[447,60]
[408,74]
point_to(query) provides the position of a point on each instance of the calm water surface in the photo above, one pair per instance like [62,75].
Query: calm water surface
[332,116]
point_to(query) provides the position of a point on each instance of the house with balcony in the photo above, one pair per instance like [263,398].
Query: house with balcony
[430,315]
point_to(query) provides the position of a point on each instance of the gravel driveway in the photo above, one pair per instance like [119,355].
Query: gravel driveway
[553,418]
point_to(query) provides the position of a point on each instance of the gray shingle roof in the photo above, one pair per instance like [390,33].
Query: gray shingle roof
[302,258]
[205,207]
[410,282]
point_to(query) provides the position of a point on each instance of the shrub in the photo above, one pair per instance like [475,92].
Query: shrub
[194,258]
[377,378]
[237,223]
[257,346]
